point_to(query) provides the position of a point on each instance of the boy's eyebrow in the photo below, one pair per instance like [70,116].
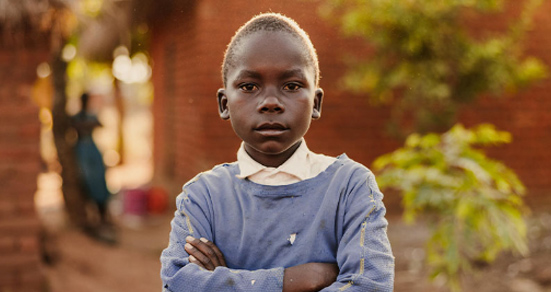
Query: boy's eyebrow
[286,74]
[247,74]
[294,73]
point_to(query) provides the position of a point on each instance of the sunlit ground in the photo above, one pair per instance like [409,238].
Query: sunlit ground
[49,198]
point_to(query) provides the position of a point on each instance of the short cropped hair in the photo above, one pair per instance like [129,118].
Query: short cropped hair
[274,22]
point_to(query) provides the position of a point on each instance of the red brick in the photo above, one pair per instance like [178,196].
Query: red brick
[26,207]
[28,244]
[20,225]
[18,261]
[31,279]
[7,244]
[19,165]
[8,208]
[8,280]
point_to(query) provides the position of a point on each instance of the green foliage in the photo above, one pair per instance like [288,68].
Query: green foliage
[426,62]
[473,202]
[427,58]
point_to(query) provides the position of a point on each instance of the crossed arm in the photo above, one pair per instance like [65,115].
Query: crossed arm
[364,257]
[301,278]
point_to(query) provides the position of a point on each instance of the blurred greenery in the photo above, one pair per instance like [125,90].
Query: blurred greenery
[427,59]
[473,202]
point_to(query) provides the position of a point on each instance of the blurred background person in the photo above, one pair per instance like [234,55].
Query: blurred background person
[92,170]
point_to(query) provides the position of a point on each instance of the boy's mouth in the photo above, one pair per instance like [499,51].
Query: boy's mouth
[271,129]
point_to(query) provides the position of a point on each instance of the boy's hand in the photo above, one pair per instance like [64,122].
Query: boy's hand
[309,277]
[305,277]
[204,253]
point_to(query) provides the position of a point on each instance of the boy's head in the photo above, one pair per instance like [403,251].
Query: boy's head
[84,101]
[273,22]
[270,92]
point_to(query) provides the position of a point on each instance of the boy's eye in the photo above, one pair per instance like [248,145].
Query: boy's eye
[292,87]
[248,87]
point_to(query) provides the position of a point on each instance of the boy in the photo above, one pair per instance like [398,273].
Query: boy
[281,218]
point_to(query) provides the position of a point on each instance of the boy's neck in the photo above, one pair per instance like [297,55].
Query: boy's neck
[274,160]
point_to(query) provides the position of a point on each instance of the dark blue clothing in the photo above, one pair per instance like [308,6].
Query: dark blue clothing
[90,161]
[335,217]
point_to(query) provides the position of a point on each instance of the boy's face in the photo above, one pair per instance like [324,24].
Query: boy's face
[270,96]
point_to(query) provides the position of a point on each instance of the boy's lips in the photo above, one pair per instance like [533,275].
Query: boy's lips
[271,129]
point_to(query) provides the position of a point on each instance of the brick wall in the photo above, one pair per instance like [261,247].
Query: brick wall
[188,46]
[20,262]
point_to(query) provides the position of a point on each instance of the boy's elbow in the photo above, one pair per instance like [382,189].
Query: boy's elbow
[381,280]
[383,283]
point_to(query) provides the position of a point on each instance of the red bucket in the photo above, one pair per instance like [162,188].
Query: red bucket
[157,200]
[135,202]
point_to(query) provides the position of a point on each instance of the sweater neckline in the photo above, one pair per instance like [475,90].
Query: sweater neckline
[291,190]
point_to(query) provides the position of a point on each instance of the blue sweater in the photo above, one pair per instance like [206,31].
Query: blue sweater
[335,217]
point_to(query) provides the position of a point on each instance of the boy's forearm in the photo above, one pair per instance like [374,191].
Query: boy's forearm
[302,278]
[309,277]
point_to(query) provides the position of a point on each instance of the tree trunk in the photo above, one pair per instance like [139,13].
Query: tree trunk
[119,102]
[71,188]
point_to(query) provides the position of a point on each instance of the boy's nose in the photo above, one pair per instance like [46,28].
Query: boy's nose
[271,104]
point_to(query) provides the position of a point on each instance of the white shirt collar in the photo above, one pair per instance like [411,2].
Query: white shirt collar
[296,165]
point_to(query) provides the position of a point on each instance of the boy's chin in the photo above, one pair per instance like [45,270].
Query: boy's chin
[276,148]
[272,148]
[271,153]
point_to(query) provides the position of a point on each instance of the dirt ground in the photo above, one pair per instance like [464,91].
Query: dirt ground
[83,264]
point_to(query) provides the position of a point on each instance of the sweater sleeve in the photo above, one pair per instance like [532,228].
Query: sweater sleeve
[192,217]
[364,255]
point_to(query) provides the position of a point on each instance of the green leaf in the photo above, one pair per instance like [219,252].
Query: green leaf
[473,201]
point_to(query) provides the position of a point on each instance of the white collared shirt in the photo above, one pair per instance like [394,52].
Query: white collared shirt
[303,164]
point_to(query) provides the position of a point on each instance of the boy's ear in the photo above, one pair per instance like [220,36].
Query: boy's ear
[318,98]
[223,104]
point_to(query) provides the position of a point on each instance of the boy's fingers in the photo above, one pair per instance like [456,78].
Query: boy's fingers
[216,250]
[205,261]
[193,260]
[206,252]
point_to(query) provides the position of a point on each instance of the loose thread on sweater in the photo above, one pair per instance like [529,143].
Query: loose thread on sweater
[348,285]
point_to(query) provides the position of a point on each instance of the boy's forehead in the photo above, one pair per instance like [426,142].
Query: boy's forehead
[268,48]
[269,40]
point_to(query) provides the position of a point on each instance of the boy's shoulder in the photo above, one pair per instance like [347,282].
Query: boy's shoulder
[218,173]
[360,173]
[349,165]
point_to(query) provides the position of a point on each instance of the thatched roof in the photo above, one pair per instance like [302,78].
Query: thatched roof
[97,36]
[19,13]
[111,28]
[21,20]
